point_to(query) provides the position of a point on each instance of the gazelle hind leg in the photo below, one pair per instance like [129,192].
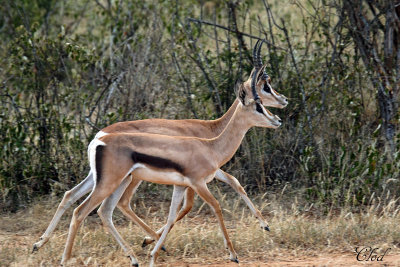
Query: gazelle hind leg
[204,193]
[69,198]
[234,183]
[105,212]
[99,193]
[187,206]
[177,197]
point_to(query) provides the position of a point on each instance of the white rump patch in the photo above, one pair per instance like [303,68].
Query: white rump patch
[96,137]
[100,134]
[92,156]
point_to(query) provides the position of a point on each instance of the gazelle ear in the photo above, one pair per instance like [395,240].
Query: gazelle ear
[260,74]
[251,74]
[241,93]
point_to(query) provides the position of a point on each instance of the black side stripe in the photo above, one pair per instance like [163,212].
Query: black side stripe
[99,165]
[157,162]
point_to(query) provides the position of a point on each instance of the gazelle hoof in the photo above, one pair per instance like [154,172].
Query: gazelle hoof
[235,260]
[135,264]
[35,248]
[266,228]
[147,241]
[144,244]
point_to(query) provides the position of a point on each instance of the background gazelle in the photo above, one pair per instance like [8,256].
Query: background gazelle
[198,128]
[179,161]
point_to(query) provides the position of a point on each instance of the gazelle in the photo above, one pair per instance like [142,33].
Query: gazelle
[180,161]
[198,128]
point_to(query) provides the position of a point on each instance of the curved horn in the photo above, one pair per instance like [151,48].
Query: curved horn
[257,66]
[265,75]
[255,55]
[253,85]
[258,57]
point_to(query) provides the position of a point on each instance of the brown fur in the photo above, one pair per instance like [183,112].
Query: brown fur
[200,159]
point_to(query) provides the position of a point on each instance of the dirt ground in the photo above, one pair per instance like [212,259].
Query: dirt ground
[22,243]
[196,241]
[288,260]
[321,260]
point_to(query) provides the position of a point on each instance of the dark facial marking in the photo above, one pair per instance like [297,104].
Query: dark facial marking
[99,158]
[267,87]
[242,94]
[260,76]
[157,162]
[259,109]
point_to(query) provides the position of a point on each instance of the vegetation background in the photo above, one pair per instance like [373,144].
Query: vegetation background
[69,68]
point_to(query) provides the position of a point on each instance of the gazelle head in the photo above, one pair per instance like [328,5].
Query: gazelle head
[252,106]
[267,94]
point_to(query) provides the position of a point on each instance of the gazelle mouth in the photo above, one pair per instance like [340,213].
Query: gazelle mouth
[277,124]
[284,103]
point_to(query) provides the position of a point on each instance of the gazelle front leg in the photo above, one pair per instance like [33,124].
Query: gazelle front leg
[228,179]
[125,206]
[187,206]
[177,197]
[70,197]
[234,183]
[202,190]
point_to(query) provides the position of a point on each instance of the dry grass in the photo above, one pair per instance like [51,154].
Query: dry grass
[295,232]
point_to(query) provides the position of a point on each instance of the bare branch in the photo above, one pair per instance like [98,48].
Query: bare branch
[230,30]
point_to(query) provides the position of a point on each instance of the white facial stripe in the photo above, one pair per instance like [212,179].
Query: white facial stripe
[269,115]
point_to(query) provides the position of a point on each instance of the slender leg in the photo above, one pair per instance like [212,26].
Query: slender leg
[125,206]
[189,198]
[99,193]
[177,197]
[234,183]
[69,198]
[105,212]
[187,206]
[204,193]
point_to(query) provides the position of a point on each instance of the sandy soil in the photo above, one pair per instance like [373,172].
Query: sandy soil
[289,260]
[24,241]
[321,260]
[94,247]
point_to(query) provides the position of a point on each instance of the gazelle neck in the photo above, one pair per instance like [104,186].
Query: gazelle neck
[225,145]
[218,125]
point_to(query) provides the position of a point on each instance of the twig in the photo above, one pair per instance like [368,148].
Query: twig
[272,48]
[239,35]
[230,30]
[198,60]
[187,83]
[300,81]
[111,83]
